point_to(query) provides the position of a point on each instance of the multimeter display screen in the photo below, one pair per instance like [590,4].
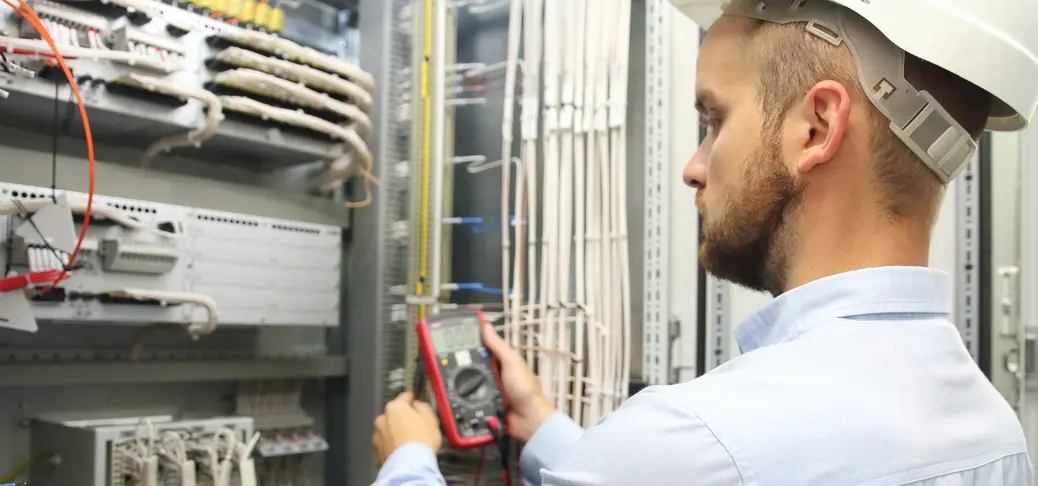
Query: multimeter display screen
[449,339]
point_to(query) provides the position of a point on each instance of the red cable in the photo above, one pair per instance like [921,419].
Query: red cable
[479,467]
[30,279]
[495,425]
[30,16]
[28,52]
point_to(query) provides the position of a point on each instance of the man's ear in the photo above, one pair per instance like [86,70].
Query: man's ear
[826,110]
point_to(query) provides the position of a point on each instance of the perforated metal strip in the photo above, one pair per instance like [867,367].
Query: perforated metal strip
[656,357]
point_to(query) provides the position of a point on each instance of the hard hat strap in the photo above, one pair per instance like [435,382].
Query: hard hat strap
[915,116]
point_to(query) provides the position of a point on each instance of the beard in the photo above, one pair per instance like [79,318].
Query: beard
[748,243]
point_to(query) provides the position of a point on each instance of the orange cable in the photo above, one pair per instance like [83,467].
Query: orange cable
[30,16]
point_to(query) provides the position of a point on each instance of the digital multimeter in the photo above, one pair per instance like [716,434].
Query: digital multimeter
[463,376]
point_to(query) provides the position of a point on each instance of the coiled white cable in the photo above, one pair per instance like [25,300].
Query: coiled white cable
[268,85]
[196,329]
[348,136]
[214,113]
[295,52]
[255,108]
[307,75]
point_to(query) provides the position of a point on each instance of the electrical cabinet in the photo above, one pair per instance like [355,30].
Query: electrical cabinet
[205,304]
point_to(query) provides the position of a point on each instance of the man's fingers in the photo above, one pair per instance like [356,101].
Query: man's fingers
[498,347]
[401,402]
[426,411]
[380,423]
[404,397]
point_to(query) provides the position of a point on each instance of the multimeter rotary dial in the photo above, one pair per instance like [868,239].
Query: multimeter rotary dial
[472,385]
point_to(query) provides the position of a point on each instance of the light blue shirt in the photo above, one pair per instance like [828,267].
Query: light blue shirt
[854,379]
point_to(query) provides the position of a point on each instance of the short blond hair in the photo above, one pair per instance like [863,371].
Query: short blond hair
[791,61]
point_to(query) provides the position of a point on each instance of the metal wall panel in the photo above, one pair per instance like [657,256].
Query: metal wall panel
[1028,283]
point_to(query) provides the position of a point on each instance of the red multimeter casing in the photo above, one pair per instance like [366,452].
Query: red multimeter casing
[463,375]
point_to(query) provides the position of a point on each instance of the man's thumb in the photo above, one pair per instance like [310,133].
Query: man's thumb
[498,347]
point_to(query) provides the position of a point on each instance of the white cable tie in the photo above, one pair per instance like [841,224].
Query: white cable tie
[420,300]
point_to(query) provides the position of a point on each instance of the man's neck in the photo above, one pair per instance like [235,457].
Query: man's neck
[853,244]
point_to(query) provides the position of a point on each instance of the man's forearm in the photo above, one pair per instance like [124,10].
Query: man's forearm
[548,446]
[415,464]
[412,464]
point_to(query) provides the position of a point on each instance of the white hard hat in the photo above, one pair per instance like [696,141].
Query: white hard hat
[993,45]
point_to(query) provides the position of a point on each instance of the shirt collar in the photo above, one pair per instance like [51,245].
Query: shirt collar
[881,290]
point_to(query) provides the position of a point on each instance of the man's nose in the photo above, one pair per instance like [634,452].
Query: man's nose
[694,174]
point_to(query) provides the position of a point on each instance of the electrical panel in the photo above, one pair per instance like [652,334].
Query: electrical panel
[133,449]
[214,76]
[149,262]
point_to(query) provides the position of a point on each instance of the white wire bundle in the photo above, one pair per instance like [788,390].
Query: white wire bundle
[265,84]
[529,131]
[300,73]
[572,314]
[548,262]
[513,292]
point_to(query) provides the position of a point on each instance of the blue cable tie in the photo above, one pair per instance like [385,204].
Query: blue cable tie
[475,287]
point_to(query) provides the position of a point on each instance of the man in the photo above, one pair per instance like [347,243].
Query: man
[819,181]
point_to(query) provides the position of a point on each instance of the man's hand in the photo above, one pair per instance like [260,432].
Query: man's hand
[403,422]
[528,407]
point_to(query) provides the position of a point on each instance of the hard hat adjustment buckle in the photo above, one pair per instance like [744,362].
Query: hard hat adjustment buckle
[936,138]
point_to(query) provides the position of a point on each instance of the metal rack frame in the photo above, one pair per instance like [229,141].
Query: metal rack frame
[369,274]
[670,262]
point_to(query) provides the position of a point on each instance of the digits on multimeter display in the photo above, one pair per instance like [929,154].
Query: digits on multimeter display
[449,339]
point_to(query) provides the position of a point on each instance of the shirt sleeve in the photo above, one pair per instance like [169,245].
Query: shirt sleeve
[651,439]
[549,444]
[412,464]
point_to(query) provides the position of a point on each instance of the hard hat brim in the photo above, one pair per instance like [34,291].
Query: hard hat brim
[702,12]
